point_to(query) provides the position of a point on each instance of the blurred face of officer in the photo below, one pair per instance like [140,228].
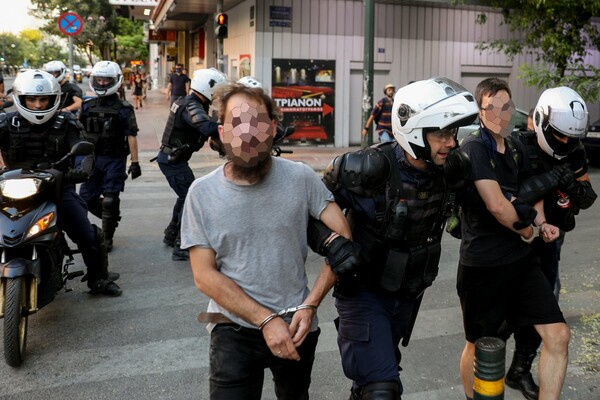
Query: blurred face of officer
[440,143]
[37,103]
[496,113]
[247,131]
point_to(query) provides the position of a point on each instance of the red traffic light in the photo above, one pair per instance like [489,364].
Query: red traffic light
[221,19]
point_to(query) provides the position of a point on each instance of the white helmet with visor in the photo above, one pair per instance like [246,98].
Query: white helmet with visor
[36,83]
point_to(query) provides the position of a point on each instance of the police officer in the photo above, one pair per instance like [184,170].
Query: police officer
[558,161]
[35,136]
[72,95]
[111,125]
[397,195]
[188,127]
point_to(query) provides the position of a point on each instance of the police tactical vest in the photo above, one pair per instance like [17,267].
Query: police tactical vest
[36,143]
[177,134]
[105,129]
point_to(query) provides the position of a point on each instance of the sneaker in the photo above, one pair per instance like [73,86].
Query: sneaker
[105,287]
[180,254]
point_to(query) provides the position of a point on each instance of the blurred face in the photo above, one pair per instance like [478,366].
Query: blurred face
[102,80]
[440,143]
[247,131]
[37,103]
[496,113]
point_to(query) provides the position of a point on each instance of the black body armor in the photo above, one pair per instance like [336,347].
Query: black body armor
[104,127]
[177,136]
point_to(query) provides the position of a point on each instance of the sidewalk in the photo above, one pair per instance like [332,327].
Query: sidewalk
[152,117]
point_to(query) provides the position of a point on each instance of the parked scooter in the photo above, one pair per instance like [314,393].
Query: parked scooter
[32,248]
[281,134]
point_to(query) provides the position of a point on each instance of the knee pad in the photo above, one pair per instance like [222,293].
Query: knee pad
[380,391]
[111,201]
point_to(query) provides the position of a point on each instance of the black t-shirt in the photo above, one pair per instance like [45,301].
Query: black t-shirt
[69,90]
[486,242]
[178,84]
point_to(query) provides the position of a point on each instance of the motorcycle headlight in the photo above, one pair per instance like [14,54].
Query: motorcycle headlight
[20,188]
[40,225]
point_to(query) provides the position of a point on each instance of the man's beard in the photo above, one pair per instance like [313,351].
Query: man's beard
[252,174]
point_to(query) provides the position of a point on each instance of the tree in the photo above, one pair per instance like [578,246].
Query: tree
[130,36]
[560,33]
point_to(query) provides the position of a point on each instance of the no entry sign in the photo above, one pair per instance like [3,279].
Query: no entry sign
[70,23]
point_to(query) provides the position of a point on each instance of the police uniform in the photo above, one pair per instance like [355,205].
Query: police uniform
[70,90]
[108,122]
[397,213]
[25,145]
[186,131]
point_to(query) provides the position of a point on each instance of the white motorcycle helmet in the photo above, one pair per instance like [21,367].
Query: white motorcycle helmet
[106,69]
[205,80]
[560,111]
[432,104]
[58,69]
[36,83]
[250,82]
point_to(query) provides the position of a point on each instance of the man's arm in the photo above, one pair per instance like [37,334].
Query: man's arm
[187,87]
[169,87]
[77,102]
[230,296]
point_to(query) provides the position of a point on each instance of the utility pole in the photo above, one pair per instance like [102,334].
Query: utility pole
[369,44]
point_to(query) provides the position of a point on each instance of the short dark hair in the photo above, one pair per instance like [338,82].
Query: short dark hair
[224,92]
[489,87]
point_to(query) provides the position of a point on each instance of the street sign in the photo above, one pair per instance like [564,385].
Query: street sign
[70,24]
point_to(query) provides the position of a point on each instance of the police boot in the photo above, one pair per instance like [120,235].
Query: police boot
[381,391]
[171,235]
[110,218]
[99,280]
[519,375]
[180,254]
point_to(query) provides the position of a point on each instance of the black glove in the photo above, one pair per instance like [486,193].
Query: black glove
[134,170]
[76,175]
[525,212]
[565,177]
[342,255]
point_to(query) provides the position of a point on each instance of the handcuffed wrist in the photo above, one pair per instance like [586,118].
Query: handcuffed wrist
[535,233]
[267,320]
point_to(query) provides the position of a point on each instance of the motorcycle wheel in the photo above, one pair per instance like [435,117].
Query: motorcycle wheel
[15,321]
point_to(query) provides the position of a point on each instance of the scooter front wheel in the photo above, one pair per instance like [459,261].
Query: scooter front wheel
[15,320]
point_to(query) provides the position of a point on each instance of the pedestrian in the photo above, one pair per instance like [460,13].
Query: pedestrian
[498,276]
[72,95]
[396,194]
[557,159]
[111,125]
[138,91]
[382,115]
[188,128]
[38,133]
[146,82]
[178,86]
[245,225]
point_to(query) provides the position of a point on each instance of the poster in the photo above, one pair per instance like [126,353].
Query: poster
[304,90]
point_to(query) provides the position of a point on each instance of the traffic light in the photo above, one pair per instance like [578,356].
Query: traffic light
[221,26]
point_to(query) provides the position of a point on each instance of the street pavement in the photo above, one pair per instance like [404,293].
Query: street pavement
[147,344]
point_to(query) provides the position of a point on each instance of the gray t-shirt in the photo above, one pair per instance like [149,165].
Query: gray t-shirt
[258,232]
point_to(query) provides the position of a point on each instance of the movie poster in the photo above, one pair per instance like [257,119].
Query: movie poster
[304,91]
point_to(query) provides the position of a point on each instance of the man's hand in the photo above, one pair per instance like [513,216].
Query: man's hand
[300,326]
[134,170]
[525,212]
[277,336]
[549,232]
[342,255]
[565,177]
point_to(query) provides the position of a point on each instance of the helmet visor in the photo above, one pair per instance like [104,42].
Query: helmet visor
[103,82]
[572,122]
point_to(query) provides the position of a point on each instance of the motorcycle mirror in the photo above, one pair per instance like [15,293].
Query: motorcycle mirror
[288,130]
[7,104]
[82,149]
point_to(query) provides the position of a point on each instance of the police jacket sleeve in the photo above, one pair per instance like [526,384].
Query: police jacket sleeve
[583,195]
[81,172]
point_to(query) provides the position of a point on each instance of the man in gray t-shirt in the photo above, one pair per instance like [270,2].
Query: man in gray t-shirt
[245,225]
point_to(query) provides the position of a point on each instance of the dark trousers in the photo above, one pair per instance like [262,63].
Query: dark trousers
[180,178]
[108,176]
[239,356]
[370,327]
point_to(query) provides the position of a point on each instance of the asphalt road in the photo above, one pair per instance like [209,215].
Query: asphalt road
[147,343]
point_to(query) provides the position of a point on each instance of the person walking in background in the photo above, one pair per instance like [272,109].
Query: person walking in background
[138,90]
[382,115]
[179,85]
[186,131]
[72,95]
[245,225]
[499,278]
[111,125]
[396,194]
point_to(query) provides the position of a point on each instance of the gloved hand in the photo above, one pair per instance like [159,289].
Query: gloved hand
[76,175]
[565,177]
[134,170]
[343,255]
[525,212]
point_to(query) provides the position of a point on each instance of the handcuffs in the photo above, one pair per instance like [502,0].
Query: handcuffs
[285,312]
[537,231]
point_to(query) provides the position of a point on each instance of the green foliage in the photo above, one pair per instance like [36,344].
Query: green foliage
[130,35]
[559,33]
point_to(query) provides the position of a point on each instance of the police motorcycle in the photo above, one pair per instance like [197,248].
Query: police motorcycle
[32,248]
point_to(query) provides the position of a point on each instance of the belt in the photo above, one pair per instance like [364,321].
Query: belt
[213,318]
[166,149]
